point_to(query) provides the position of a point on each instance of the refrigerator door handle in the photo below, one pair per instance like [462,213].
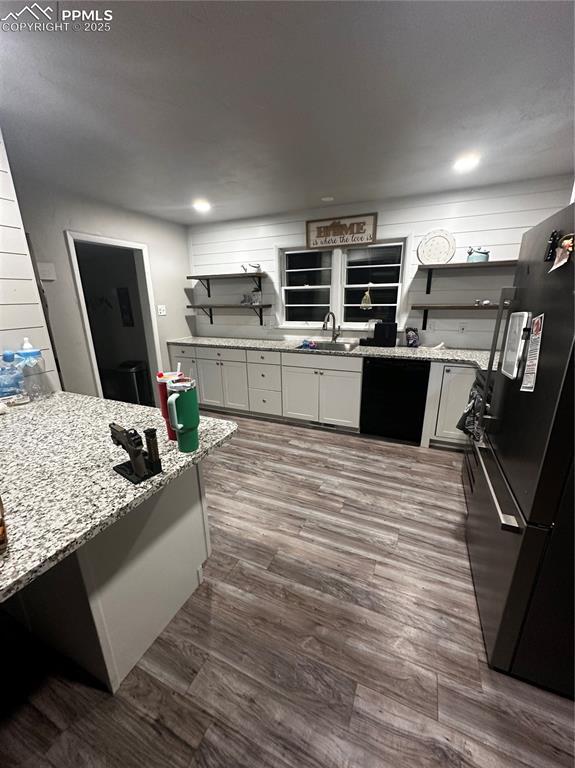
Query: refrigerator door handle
[505,299]
[507,522]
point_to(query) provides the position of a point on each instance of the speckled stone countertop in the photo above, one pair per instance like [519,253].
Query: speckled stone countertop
[56,478]
[476,357]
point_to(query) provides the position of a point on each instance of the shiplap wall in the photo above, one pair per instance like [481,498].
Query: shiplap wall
[21,312]
[493,217]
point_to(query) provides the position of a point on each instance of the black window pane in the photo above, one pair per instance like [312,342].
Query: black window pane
[357,315]
[303,314]
[308,260]
[373,275]
[317,296]
[360,257]
[378,295]
[320,277]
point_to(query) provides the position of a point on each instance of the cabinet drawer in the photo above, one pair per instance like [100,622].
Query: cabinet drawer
[177,350]
[327,362]
[265,401]
[271,358]
[216,353]
[264,376]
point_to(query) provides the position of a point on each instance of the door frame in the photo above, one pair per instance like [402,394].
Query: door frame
[145,292]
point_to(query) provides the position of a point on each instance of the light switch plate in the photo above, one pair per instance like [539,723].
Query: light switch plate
[46,271]
[162,311]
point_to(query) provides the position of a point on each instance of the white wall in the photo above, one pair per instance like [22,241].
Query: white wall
[47,213]
[21,312]
[493,217]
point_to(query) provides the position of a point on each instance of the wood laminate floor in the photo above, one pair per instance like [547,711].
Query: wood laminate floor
[336,628]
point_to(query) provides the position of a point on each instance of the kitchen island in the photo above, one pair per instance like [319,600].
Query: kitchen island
[95,565]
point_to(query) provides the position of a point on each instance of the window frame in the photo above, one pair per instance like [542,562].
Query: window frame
[283,287]
[338,285]
[359,325]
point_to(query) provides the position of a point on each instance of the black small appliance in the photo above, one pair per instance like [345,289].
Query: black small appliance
[384,335]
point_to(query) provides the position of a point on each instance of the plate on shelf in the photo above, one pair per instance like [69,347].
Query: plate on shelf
[436,247]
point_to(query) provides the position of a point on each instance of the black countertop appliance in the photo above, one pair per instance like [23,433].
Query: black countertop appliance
[384,335]
[519,478]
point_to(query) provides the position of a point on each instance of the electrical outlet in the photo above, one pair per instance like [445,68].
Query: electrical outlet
[162,311]
[461,328]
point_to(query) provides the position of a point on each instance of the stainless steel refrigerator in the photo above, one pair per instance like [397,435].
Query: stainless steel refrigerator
[518,478]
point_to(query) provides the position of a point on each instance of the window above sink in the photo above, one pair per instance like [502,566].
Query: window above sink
[315,282]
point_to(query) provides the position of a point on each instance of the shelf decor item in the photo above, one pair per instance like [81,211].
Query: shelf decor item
[412,337]
[436,247]
[477,254]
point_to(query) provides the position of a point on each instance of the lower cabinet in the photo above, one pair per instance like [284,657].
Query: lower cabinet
[266,401]
[223,383]
[326,396]
[339,398]
[447,396]
[187,365]
[455,386]
[235,385]
[300,393]
[211,386]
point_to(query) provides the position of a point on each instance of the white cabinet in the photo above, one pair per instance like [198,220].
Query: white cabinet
[223,384]
[211,387]
[188,365]
[266,401]
[455,385]
[234,384]
[339,398]
[323,395]
[300,393]
[264,376]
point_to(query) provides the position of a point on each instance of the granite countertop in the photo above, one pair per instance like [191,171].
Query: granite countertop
[56,478]
[476,357]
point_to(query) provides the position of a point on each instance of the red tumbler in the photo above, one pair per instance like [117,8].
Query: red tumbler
[162,378]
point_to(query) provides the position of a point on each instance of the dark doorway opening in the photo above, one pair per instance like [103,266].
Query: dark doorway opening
[112,295]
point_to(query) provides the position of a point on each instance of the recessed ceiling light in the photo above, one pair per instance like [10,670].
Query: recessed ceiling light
[467,162]
[202,206]
[327,199]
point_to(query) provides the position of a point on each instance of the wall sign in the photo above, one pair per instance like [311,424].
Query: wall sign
[341,230]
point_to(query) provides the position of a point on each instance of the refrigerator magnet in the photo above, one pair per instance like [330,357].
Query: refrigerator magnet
[563,252]
[530,373]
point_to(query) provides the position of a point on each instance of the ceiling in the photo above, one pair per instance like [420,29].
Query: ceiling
[270,106]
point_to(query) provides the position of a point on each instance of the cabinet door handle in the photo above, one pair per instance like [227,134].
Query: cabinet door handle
[219,354]
[262,358]
[448,370]
[321,373]
[264,400]
[263,375]
[315,373]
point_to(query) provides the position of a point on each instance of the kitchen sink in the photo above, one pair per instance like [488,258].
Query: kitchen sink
[335,346]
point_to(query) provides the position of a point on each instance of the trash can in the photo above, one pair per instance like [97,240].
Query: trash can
[129,382]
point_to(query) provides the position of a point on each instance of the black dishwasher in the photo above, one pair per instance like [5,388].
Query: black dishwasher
[393,398]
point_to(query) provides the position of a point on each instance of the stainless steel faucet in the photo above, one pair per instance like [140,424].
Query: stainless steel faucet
[335,332]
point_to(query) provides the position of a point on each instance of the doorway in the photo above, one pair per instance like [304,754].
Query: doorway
[115,297]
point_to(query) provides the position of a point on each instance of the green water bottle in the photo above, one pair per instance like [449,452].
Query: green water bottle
[184,413]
